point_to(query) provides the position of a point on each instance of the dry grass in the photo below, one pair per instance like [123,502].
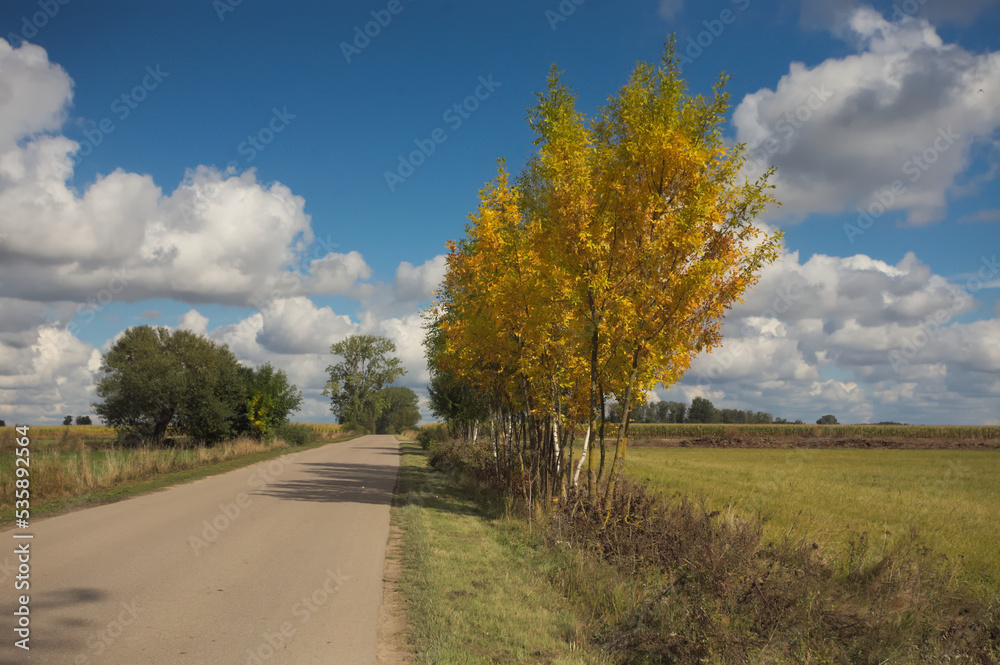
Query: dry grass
[59,438]
[73,470]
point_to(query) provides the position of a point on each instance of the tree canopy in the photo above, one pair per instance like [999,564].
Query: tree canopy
[703,411]
[401,411]
[153,378]
[356,382]
[270,399]
[601,269]
[454,398]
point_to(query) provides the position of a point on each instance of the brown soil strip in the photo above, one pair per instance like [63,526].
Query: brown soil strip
[392,647]
[818,442]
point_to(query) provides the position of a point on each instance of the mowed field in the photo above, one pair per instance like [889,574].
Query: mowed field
[833,496]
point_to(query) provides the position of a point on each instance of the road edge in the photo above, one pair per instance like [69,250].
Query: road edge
[392,646]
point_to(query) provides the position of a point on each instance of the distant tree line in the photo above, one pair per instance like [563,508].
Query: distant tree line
[702,411]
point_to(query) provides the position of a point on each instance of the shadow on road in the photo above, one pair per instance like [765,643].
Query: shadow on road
[333,482]
[67,597]
[73,612]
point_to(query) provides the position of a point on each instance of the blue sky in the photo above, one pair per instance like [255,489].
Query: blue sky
[248,144]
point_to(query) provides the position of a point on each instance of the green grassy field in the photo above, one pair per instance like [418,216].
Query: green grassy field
[952,497]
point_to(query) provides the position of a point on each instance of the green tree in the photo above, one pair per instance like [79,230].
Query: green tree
[68,420]
[452,398]
[152,379]
[732,416]
[675,412]
[828,419]
[703,411]
[356,382]
[401,411]
[269,400]
[83,420]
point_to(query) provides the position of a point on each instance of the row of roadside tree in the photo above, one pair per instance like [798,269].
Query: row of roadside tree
[594,275]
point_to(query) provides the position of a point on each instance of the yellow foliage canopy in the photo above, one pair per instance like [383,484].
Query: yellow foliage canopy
[612,258]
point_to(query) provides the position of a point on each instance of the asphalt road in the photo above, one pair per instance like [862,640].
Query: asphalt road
[280,562]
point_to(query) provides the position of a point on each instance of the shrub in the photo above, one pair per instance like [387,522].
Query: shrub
[455,454]
[429,434]
[294,434]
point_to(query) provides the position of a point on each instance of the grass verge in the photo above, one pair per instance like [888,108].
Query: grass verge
[480,586]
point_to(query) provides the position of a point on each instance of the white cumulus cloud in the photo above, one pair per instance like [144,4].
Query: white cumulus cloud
[905,108]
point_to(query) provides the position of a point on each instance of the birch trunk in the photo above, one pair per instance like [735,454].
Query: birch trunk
[583,457]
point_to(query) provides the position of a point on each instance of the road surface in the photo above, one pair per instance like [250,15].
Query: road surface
[280,562]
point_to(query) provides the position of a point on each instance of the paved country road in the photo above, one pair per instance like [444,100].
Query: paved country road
[280,562]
